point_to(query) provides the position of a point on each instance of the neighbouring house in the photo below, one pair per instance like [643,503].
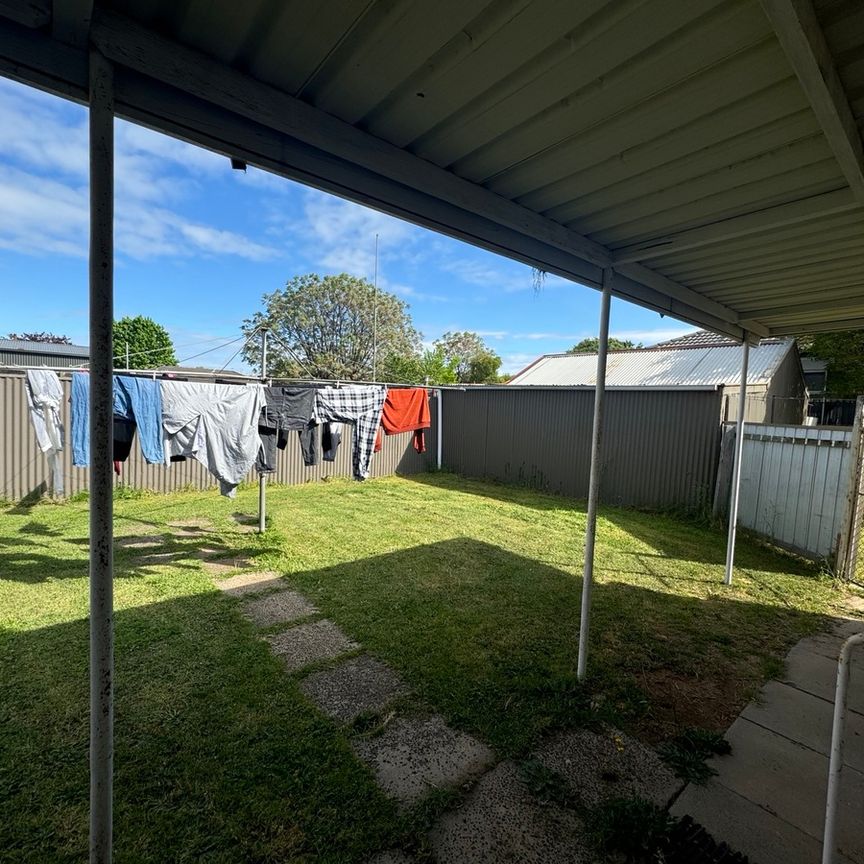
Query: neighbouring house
[15,352]
[776,391]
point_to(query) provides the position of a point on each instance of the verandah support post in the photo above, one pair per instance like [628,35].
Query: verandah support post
[594,479]
[262,478]
[101,116]
[736,468]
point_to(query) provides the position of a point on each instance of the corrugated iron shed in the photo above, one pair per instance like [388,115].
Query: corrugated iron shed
[18,352]
[660,367]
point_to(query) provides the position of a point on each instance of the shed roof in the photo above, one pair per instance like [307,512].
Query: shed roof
[661,366]
[708,151]
[19,346]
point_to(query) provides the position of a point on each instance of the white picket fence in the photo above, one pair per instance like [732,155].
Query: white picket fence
[795,485]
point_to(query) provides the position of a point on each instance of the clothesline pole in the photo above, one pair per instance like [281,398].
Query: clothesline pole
[262,478]
[594,478]
[101,269]
[439,436]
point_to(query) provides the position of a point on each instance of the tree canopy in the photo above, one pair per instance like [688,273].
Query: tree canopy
[430,367]
[591,345]
[844,354]
[147,342]
[471,360]
[325,327]
[42,336]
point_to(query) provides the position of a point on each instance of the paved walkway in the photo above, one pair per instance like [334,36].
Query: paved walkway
[768,798]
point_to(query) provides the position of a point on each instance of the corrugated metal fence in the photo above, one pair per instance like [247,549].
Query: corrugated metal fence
[660,447]
[24,468]
[795,485]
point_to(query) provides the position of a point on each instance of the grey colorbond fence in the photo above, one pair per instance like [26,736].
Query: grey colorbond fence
[660,447]
[24,468]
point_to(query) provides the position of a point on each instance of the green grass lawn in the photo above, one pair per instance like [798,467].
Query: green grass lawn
[470,590]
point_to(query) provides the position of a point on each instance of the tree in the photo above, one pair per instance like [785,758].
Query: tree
[430,367]
[51,338]
[591,345]
[331,327]
[469,357]
[844,354]
[147,343]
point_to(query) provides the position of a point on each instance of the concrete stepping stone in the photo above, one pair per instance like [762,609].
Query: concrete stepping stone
[148,541]
[225,566]
[598,766]
[501,821]
[250,583]
[278,608]
[417,754]
[357,686]
[156,559]
[306,644]
[204,552]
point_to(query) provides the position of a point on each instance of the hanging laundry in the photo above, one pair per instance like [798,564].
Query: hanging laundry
[137,404]
[44,399]
[217,424]
[287,409]
[406,410]
[331,438]
[361,406]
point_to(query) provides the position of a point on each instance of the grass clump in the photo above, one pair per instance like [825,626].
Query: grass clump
[630,828]
[687,754]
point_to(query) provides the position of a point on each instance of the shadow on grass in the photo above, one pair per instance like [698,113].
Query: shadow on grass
[670,535]
[219,757]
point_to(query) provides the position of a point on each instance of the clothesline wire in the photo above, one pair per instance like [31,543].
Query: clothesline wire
[291,351]
[245,343]
[217,348]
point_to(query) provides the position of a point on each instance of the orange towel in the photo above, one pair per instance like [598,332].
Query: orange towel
[406,410]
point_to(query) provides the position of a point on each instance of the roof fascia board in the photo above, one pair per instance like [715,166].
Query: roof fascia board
[781,216]
[70,21]
[800,35]
[29,13]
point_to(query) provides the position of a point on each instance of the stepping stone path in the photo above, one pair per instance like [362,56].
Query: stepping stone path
[246,524]
[225,566]
[157,559]
[278,608]
[362,685]
[415,755]
[305,644]
[191,528]
[250,583]
[148,541]
[501,821]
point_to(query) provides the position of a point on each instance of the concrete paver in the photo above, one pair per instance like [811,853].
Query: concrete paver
[147,541]
[501,821]
[225,566]
[817,674]
[306,644]
[278,607]
[806,719]
[156,559]
[250,583]
[608,764]
[359,685]
[417,754]
[747,827]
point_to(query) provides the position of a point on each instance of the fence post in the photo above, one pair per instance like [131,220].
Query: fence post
[847,548]
[736,470]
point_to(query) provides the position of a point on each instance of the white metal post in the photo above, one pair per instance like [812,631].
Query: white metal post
[838,736]
[101,445]
[439,436]
[262,478]
[594,478]
[736,469]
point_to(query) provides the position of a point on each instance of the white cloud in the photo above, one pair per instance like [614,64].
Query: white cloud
[44,205]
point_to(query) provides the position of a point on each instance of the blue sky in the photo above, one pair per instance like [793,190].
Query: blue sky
[198,245]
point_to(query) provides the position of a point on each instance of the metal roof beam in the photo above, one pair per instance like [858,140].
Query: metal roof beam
[854,304]
[70,21]
[801,37]
[829,327]
[29,13]
[780,216]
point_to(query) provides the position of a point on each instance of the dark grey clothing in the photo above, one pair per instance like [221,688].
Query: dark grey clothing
[287,409]
[331,438]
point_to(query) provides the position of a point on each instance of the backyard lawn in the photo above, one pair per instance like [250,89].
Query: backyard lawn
[469,590]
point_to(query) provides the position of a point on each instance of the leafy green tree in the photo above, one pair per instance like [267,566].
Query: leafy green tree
[326,326]
[42,336]
[147,343]
[844,354]
[591,345]
[469,357]
[429,368]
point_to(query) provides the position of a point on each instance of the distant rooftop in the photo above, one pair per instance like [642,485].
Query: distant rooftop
[696,359]
[18,346]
